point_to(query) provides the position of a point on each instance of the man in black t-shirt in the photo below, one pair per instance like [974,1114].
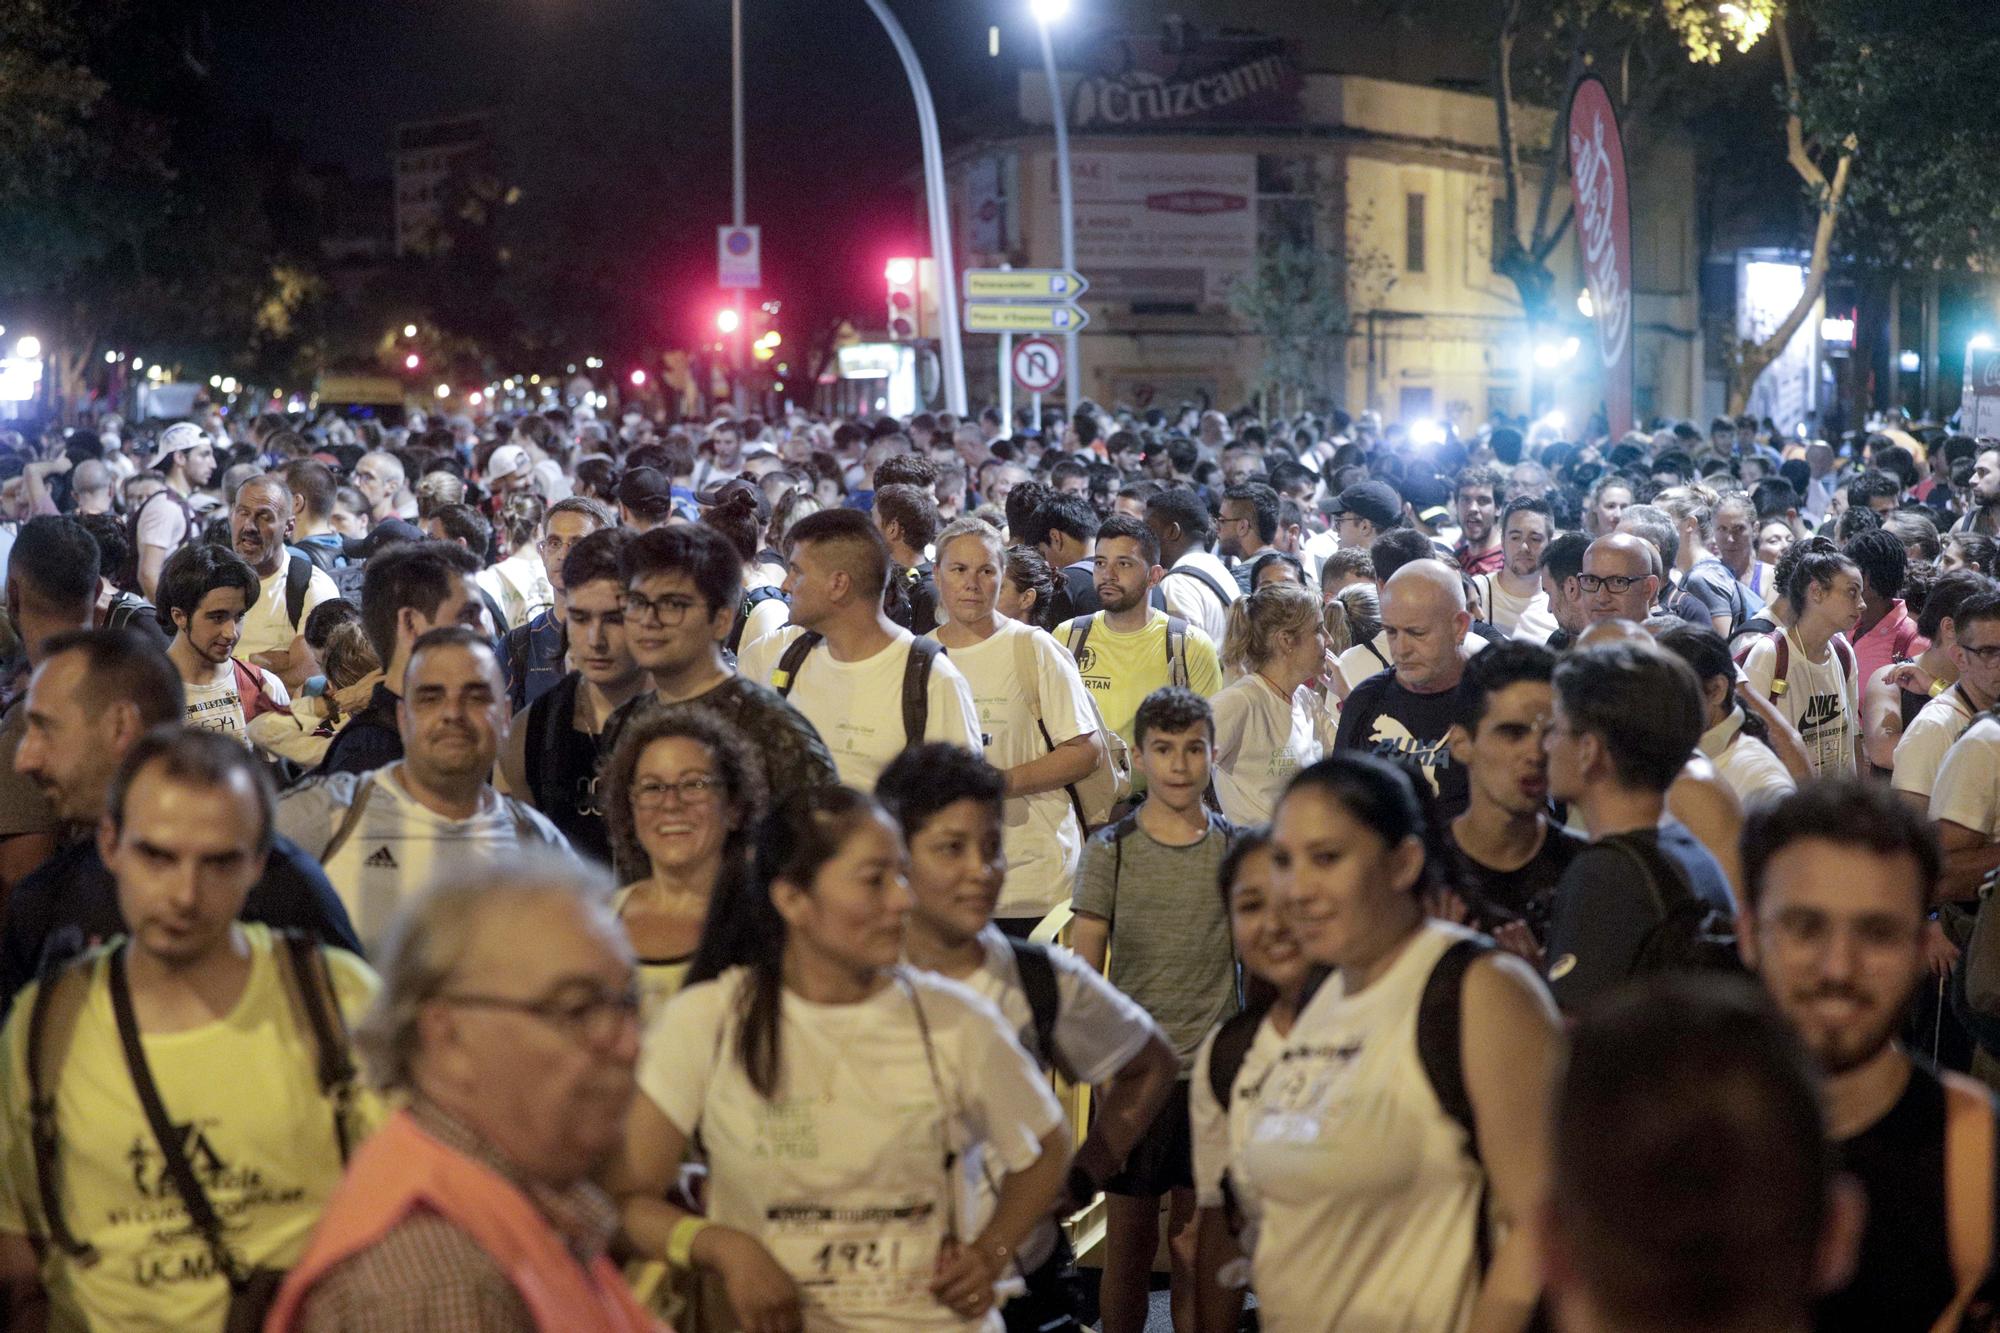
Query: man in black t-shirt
[1839,878]
[1406,712]
[1507,854]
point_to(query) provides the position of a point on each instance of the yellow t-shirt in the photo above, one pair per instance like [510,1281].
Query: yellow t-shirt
[259,1136]
[1120,670]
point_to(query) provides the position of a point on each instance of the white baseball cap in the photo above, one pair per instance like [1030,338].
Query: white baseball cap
[181,435]
[506,461]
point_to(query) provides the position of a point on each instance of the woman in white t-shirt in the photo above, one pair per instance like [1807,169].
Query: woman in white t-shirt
[835,1094]
[1280,977]
[1039,727]
[1374,1194]
[681,792]
[1268,724]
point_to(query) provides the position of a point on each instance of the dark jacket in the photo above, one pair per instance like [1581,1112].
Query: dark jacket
[370,739]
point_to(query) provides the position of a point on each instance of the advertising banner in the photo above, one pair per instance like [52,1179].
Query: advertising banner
[1604,232]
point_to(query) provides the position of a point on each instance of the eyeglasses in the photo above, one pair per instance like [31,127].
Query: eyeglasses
[1618,584]
[589,1014]
[652,793]
[1987,654]
[669,611]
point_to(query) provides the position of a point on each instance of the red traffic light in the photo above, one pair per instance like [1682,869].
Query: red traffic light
[727,320]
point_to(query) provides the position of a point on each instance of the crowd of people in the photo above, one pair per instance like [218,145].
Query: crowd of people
[538,873]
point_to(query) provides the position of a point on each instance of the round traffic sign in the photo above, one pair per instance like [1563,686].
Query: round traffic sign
[739,243]
[1038,365]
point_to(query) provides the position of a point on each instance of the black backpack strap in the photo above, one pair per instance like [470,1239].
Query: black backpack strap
[794,656]
[1440,1034]
[917,689]
[1206,580]
[308,980]
[1038,983]
[59,1001]
[1226,1055]
[298,582]
[1079,634]
[550,716]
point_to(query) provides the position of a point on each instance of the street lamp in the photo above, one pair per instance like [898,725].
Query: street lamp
[1047,12]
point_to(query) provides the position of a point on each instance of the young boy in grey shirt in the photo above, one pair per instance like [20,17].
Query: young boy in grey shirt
[1146,889]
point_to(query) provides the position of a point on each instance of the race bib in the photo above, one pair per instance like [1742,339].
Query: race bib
[859,1258]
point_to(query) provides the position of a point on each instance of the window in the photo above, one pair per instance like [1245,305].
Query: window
[1413,233]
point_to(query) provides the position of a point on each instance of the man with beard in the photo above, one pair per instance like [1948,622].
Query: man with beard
[1130,648]
[1478,495]
[164,519]
[207,591]
[1982,511]
[1511,596]
[381,835]
[1839,878]
[288,586]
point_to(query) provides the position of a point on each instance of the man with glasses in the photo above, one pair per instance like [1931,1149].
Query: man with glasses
[1617,582]
[534,654]
[682,587]
[509,1018]
[1969,639]
[251,1098]
[1839,881]
[381,835]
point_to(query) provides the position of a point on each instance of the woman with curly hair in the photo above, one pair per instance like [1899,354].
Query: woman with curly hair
[683,790]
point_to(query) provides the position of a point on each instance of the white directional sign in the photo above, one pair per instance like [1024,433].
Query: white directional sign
[1023,284]
[1037,365]
[997,317]
[739,257]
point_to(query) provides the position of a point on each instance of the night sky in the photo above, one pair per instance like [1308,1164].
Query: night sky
[832,131]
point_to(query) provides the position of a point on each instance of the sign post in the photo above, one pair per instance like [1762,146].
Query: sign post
[739,257]
[1007,383]
[1604,230]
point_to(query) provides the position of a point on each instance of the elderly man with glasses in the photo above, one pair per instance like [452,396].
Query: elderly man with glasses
[509,1018]
[1618,581]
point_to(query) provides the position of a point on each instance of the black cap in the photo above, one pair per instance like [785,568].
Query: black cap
[1375,501]
[1429,497]
[386,533]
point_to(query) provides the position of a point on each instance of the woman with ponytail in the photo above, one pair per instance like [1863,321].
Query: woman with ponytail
[1268,723]
[734,510]
[840,1097]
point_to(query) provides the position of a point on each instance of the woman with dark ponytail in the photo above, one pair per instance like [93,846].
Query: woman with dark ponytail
[734,510]
[835,1092]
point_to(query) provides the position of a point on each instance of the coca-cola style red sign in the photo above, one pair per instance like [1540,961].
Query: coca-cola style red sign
[1604,231]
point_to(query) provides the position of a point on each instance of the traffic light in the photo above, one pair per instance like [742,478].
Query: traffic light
[727,321]
[904,294]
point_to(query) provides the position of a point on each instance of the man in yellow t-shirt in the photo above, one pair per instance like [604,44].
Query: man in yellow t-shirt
[225,1040]
[1124,652]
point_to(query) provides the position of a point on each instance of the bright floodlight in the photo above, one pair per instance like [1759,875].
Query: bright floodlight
[727,320]
[1980,342]
[28,348]
[409,330]
[1049,11]
[638,379]
[1425,433]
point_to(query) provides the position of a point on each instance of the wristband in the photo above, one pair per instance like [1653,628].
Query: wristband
[680,1241]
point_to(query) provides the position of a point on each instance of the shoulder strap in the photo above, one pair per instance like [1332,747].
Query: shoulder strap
[1207,581]
[1038,983]
[165,1136]
[1028,668]
[298,581]
[1079,634]
[1177,667]
[1845,652]
[1440,1034]
[551,714]
[1968,1190]
[917,689]
[308,985]
[789,663]
[1782,667]
[364,787]
[1226,1054]
[59,1002]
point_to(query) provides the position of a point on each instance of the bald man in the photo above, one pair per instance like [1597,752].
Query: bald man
[1618,581]
[1406,712]
[379,478]
[261,522]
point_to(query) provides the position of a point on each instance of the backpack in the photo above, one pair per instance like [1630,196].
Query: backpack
[751,600]
[1098,792]
[132,523]
[916,679]
[1177,632]
[307,981]
[1690,935]
[1038,984]
[298,582]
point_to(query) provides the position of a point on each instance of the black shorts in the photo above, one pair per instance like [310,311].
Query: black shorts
[1163,1158]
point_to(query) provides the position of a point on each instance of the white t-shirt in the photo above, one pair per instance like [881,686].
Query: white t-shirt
[1929,737]
[1261,740]
[1193,601]
[267,627]
[1219,1133]
[1820,699]
[520,583]
[1967,791]
[1039,833]
[845,1175]
[1503,609]
[1750,767]
[857,707]
[216,706]
[1371,1200]
[768,616]
[1099,1030]
[392,851]
[162,523]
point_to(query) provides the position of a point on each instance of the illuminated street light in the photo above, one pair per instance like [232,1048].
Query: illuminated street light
[727,320]
[1980,342]
[1584,305]
[229,384]
[1049,11]
[638,379]
[475,398]
[1909,362]
[1548,356]
[412,361]
[444,391]
[111,358]
[28,348]
[409,330]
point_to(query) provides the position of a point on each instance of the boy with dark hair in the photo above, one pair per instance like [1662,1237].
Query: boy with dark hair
[1886,632]
[205,591]
[1477,495]
[907,517]
[1197,587]
[1146,891]
[1507,853]
[1063,528]
[1248,526]
[1068,1017]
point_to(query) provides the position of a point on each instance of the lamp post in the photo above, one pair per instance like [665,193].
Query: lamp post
[1047,12]
[736,190]
[937,207]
